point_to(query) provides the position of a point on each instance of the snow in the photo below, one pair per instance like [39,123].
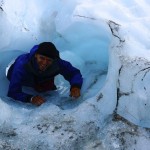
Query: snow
[109,42]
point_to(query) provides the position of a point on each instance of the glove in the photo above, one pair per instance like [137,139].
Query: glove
[75,92]
[37,100]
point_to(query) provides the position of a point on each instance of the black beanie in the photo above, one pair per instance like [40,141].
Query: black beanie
[48,49]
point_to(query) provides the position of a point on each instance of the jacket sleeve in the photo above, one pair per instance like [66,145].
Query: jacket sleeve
[15,86]
[71,74]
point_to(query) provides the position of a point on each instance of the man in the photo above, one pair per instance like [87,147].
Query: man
[37,69]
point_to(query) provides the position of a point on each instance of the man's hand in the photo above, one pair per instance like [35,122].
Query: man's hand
[37,100]
[75,92]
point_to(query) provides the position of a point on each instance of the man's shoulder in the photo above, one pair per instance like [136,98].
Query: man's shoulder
[22,60]
[63,62]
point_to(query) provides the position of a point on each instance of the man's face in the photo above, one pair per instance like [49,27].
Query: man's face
[43,62]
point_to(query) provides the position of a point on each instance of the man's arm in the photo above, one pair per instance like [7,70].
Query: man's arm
[72,75]
[15,86]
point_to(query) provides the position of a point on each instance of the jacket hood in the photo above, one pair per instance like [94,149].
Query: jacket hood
[33,50]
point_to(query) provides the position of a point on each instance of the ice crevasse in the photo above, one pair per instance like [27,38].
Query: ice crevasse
[115,76]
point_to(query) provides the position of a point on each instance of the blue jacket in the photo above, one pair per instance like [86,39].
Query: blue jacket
[22,74]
